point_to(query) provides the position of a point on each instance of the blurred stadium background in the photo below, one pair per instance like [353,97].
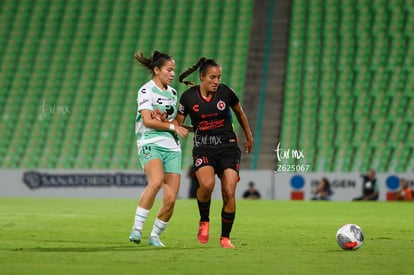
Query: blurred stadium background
[332,78]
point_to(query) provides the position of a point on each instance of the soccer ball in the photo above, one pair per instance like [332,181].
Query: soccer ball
[350,237]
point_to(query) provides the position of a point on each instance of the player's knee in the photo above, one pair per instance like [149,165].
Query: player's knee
[228,194]
[207,187]
[170,197]
[155,185]
[169,201]
[206,184]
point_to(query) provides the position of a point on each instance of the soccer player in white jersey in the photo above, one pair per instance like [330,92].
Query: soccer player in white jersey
[158,146]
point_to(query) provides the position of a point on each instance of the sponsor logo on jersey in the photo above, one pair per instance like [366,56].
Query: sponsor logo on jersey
[221,105]
[208,125]
[143,102]
[208,115]
[196,108]
[164,101]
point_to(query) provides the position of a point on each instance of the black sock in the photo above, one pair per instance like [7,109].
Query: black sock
[227,220]
[204,209]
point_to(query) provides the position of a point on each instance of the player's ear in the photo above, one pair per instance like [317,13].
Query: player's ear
[157,70]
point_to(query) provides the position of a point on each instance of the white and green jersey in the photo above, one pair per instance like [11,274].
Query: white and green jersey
[150,97]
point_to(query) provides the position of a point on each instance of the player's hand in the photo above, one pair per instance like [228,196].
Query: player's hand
[181,131]
[158,115]
[248,145]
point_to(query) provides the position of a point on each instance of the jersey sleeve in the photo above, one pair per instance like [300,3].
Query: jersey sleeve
[144,99]
[182,106]
[233,98]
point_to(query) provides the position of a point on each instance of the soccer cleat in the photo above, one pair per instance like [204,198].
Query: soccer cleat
[155,241]
[225,243]
[136,236]
[203,232]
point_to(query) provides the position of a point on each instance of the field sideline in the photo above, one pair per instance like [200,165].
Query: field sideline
[90,236]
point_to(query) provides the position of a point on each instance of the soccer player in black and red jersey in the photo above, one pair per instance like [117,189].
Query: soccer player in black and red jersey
[210,105]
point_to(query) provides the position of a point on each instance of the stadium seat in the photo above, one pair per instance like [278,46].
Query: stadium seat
[360,82]
[69,81]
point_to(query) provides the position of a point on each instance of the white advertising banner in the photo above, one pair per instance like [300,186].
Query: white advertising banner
[108,184]
[345,186]
[129,184]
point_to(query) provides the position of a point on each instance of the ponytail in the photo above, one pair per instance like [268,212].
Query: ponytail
[190,70]
[157,60]
[203,63]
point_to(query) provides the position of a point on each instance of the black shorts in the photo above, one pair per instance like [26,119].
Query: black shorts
[220,158]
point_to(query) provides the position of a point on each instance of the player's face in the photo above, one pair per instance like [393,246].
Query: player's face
[166,73]
[371,174]
[211,79]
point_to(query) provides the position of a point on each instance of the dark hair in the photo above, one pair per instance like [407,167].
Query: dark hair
[203,63]
[327,187]
[157,59]
[327,183]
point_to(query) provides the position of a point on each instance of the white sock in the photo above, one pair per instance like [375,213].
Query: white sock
[158,228]
[140,216]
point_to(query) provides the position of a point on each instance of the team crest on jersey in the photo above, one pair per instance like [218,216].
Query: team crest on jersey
[221,105]
[198,162]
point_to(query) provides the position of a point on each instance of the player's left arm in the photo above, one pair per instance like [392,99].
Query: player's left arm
[244,123]
[179,120]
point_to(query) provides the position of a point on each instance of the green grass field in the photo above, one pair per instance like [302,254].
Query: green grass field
[90,236]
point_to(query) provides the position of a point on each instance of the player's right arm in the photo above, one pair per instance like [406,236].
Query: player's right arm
[145,108]
[153,123]
[160,116]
